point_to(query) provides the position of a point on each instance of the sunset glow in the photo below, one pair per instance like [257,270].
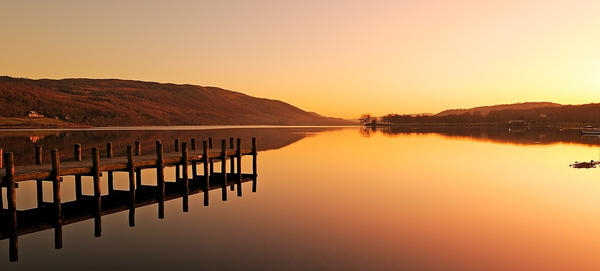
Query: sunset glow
[379,57]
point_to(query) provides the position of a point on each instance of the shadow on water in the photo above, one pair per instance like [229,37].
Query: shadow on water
[86,207]
[55,214]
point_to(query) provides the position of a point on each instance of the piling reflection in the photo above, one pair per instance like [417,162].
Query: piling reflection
[96,206]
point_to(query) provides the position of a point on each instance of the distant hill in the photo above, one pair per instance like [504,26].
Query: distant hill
[113,102]
[484,110]
[528,113]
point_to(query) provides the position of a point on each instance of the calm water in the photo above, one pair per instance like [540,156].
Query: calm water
[345,199]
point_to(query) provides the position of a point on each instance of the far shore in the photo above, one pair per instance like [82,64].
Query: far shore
[570,125]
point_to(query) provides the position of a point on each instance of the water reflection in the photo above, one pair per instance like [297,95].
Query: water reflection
[338,201]
[24,149]
[490,134]
[56,214]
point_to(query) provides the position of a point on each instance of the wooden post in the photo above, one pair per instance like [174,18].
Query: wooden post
[78,189]
[1,158]
[239,166]
[97,192]
[138,172]
[2,196]
[206,171]
[56,179]
[254,173]
[184,170]
[224,169]
[40,193]
[160,179]
[39,183]
[58,236]
[177,174]
[232,161]
[254,154]
[194,165]
[11,197]
[210,146]
[109,154]
[38,155]
[131,171]
[109,150]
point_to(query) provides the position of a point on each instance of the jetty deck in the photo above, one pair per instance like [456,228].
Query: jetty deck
[35,172]
[55,214]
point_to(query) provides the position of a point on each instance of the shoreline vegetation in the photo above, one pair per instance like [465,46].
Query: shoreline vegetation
[521,115]
[28,123]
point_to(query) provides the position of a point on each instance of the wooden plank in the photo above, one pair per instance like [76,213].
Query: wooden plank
[43,172]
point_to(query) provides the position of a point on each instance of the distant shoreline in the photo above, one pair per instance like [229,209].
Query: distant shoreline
[165,127]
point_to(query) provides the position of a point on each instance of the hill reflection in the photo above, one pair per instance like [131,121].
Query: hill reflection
[492,134]
[23,143]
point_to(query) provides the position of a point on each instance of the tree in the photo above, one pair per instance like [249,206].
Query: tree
[367,119]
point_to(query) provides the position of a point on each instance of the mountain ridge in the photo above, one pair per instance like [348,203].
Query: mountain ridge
[485,110]
[119,102]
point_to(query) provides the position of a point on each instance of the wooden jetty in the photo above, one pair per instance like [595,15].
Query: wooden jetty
[56,214]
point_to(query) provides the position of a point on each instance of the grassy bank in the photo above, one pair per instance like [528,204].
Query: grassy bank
[13,122]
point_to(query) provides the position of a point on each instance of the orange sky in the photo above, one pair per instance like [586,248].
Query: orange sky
[337,58]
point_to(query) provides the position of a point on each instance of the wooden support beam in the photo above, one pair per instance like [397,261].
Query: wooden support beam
[194,164]
[11,197]
[109,154]
[254,154]
[177,172]
[1,198]
[232,161]
[239,166]
[138,172]
[38,155]
[56,179]
[206,171]
[224,169]
[39,186]
[185,178]
[131,171]
[160,179]
[39,193]
[97,192]
[78,187]
[210,146]
[58,236]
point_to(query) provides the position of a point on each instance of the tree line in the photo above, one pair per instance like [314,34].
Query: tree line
[588,113]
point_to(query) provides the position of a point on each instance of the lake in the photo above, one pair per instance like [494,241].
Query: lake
[339,199]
